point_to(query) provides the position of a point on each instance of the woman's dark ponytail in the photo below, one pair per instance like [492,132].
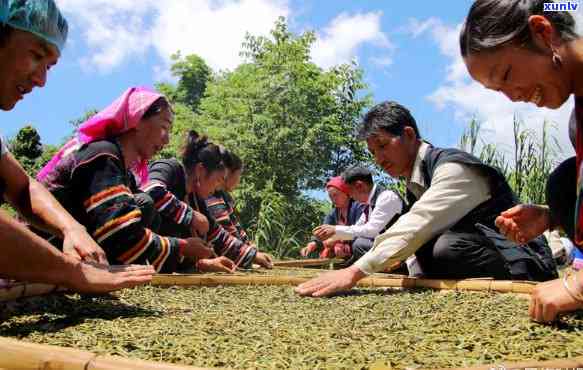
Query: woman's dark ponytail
[198,149]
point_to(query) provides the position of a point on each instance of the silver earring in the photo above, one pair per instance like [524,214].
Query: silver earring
[557,62]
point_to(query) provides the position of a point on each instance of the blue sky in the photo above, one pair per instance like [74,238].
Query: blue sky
[408,52]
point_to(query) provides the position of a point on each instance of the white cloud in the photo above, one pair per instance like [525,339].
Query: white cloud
[213,30]
[114,30]
[118,30]
[339,42]
[467,99]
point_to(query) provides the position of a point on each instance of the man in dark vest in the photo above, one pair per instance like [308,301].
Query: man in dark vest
[382,207]
[450,227]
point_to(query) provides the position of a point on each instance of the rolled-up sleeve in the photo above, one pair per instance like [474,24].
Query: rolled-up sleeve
[455,190]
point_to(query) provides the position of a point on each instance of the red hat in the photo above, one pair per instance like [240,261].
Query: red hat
[338,183]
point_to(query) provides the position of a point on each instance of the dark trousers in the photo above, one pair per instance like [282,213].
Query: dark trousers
[359,248]
[561,194]
[458,255]
[485,253]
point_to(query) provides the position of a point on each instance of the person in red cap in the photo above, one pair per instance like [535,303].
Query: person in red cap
[381,208]
[346,212]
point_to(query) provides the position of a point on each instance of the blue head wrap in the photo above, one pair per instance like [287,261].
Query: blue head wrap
[40,17]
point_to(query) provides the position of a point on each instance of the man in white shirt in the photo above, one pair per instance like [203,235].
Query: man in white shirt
[382,208]
[450,227]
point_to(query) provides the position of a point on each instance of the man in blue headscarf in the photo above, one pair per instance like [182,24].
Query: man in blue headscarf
[32,36]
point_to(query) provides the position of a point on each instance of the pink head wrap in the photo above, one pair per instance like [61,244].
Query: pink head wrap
[338,183]
[120,116]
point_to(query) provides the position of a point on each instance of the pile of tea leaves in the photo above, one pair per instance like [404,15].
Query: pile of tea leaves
[272,327]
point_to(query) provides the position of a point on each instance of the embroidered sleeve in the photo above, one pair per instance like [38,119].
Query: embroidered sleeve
[227,245]
[114,219]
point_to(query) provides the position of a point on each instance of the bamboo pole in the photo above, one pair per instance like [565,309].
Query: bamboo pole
[307,262]
[569,363]
[19,355]
[370,282]
[10,290]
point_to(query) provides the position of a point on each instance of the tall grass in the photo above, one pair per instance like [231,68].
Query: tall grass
[527,167]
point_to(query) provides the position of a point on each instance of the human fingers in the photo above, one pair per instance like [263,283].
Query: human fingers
[101,257]
[309,286]
[549,312]
[531,307]
[512,212]
[134,278]
[503,225]
[230,265]
[326,290]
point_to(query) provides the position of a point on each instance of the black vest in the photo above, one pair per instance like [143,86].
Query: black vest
[535,261]
[502,196]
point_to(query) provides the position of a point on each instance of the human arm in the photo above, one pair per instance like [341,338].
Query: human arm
[28,257]
[225,244]
[36,204]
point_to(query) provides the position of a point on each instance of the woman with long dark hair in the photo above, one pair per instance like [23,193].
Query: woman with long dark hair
[533,55]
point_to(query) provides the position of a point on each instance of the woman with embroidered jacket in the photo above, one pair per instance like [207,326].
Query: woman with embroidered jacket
[90,176]
[179,189]
[221,205]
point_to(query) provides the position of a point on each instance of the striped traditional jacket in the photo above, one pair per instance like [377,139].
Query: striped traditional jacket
[167,187]
[93,184]
[221,207]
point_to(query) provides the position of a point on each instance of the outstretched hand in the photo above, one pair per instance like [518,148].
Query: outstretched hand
[331,282]
[95,278]
[218,264]
[523,222]
[78,244]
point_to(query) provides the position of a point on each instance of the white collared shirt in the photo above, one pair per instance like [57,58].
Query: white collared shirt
[455,190]
[388,204]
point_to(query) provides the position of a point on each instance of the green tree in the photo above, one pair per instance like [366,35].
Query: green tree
[291,122]
[26,144]
[193,76]
[26,147]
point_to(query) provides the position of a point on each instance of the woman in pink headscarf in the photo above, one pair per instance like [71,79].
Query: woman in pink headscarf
[92,178]
[346,212]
